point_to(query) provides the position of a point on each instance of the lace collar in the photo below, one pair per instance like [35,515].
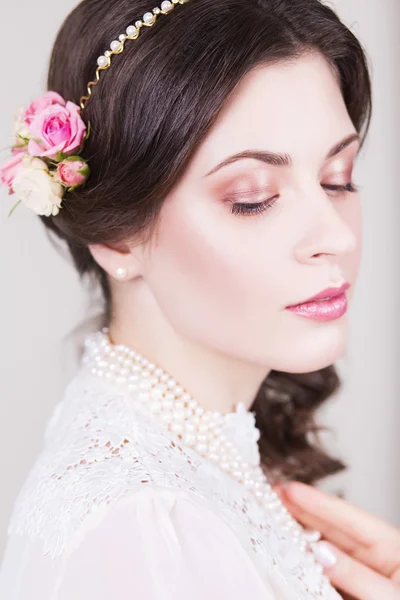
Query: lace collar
[238,426]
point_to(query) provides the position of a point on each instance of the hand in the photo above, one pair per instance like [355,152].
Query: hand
[360,553]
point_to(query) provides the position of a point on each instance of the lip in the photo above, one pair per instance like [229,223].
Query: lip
[325,294]
[328,305]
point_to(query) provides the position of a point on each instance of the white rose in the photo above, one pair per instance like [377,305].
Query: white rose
[36,188]
[20,129]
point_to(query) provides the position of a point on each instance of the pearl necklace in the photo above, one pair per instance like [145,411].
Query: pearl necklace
[200,429]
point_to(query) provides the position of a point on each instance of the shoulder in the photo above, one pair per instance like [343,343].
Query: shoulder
[163,543]
[99,449]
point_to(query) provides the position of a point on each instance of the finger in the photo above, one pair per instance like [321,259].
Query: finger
[353,520]
[327,530]
[383,557]
[352,577]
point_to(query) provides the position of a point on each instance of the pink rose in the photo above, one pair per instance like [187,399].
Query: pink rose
[72,172]
[56,129]
[11,169]
[38,106]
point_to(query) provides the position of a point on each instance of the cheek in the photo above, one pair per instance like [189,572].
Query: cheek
[220,271]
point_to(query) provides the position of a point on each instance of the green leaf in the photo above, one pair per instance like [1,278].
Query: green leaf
[88,132]
[25,140]
[14,207]
[73,158]
[60,156]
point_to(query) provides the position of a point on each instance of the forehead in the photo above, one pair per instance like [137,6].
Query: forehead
[294,107]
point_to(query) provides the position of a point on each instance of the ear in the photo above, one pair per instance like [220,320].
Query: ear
[122,266]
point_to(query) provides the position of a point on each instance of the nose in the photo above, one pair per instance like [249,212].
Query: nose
[328,233]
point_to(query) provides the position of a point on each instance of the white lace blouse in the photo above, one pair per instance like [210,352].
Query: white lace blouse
[116,507]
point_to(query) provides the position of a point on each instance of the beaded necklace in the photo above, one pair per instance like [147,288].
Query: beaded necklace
[205,431]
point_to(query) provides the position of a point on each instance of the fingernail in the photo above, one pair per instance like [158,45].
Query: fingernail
[325,554]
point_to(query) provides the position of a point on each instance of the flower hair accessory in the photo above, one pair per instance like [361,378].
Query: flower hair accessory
[50,136]
[46,161]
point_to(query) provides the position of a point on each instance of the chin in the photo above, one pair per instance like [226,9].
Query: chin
[316,350]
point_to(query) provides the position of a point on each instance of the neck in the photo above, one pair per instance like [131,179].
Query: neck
[217,381]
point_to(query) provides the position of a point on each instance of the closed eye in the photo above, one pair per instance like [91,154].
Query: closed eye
[349,187]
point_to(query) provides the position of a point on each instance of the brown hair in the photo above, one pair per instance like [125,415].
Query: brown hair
[148,115]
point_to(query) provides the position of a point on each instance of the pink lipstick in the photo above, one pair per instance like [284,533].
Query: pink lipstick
[328,305]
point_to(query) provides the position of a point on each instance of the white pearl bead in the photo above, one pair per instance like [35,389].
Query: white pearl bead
[166,5]
[177,428]
[122,37]
[156,394]
[203,427]
[148,17]
[179,416]
[102,61]
[131,30]
[145,385]
[115,45]
[201,448]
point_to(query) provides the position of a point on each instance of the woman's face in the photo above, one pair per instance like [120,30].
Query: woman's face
[223,278]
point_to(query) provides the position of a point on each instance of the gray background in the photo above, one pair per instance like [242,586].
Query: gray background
[42,300]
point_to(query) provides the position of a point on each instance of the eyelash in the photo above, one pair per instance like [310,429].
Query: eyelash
[251,208]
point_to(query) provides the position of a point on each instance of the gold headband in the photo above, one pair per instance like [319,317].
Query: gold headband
[132,33]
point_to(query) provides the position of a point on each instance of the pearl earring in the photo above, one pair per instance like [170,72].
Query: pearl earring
[121,272]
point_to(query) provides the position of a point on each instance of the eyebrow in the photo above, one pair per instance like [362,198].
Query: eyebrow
[280,160]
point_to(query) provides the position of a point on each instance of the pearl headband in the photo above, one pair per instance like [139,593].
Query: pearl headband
[132,33]
[50,136]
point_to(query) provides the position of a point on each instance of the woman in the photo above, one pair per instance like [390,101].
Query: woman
[205,181]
